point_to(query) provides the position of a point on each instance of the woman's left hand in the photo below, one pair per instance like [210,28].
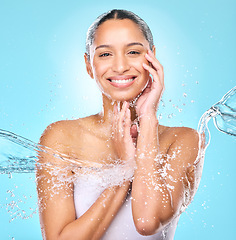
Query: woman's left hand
[148,101]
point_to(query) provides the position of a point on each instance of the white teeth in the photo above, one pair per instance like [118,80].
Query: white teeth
[122,81]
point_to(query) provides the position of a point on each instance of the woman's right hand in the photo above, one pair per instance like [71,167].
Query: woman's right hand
[121,132]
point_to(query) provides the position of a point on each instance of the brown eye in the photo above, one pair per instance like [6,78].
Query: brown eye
[134,52]
[104,55]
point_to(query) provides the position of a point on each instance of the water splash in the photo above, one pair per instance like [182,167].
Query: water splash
[19,155]
[19,161]
[224,113]
[224,116]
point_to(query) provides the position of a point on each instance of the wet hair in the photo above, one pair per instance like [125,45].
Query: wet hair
[118,14]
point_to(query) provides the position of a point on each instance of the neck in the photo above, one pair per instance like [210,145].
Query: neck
[108,109]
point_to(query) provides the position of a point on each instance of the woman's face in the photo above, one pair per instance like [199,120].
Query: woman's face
[116,59]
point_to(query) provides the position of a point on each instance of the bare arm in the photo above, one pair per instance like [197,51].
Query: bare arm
[56,201]
[162,181]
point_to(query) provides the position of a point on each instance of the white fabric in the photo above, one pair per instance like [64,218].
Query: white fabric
[88,187]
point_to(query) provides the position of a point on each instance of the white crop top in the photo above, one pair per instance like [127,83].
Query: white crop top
[88,187]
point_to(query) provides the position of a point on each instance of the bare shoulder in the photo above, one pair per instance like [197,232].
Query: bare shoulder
[69,136]
[61,132]
[187,136]
[180,139]
[54,133]
[182,134]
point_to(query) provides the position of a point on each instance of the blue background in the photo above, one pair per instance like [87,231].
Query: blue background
[43,79]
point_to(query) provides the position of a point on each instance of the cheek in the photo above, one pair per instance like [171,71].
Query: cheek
[142,71]
[138,63]
[98,69]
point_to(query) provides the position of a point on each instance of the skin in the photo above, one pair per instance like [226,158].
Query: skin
[120,51]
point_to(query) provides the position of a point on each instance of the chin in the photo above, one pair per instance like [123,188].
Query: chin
[123,97]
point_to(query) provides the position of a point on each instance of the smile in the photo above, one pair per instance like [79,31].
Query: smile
[122,81]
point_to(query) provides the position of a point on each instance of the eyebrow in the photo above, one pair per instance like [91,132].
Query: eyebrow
[128,45]
[135,43]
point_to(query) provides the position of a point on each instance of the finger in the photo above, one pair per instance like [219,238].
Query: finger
[134,131]
[156,64]
[149,82]
[114,122]
[152,59]
[117,129]
[115,111]
[148,87]
[160,69]
[127,124]
[121,119]
[114,117]
[154,73]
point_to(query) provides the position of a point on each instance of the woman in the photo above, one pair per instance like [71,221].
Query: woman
[120,56]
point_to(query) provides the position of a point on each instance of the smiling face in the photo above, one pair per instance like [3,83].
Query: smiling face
[116,58]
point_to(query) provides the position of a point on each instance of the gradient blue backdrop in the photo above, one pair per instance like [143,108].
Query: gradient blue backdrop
[43,79]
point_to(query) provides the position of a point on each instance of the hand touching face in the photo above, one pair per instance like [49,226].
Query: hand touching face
[147,103]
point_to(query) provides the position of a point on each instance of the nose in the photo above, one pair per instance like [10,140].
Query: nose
[120,64]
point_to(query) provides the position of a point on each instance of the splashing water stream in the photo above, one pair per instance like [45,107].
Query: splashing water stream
[224,116]
[19,155]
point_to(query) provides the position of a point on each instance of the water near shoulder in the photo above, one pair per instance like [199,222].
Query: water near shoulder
[224,116]
[19,155]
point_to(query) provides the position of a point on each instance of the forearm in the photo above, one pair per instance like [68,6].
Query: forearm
[93,224]
[151,199]
[115,205]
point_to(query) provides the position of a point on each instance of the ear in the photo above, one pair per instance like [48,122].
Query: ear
[88,65]
[154,50]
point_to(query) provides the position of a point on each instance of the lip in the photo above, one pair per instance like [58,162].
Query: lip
[122,81]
